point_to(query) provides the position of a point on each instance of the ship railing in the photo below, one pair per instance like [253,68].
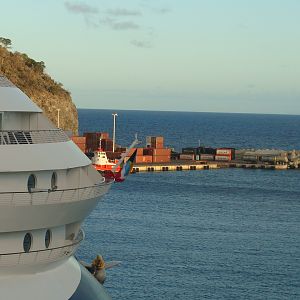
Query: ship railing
[42,256]
[53,196]
[21,137]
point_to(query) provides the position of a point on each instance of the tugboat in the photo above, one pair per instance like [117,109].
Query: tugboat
[101,162]
[47,188]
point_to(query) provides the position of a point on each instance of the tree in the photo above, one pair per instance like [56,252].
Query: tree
[6,43]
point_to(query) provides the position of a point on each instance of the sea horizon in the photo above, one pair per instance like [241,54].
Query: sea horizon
[182,111]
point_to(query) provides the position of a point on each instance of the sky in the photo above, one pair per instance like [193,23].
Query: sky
[192,55]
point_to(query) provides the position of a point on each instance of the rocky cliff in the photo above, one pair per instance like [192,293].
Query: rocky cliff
[29,75]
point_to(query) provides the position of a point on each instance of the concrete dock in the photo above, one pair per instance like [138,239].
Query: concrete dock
[173,166]
[201,165]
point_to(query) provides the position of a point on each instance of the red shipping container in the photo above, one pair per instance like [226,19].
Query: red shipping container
[223,157]
[224,151]
[113,155]
[107,145]
[93,139]
[104,135]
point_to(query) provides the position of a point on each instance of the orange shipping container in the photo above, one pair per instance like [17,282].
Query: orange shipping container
[161,152]
[81,147]
[148,151]
[138,153]
[143,159]
[79,139]
[162,158]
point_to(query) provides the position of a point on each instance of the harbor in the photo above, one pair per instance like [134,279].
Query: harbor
[154,156]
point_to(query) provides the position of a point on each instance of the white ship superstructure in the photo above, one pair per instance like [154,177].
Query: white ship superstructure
[47,188]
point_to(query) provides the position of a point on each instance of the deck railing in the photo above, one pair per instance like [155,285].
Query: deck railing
[52,196]
[15,137]
[43,255]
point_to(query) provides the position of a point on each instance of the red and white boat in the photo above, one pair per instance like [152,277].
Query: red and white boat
[102,163]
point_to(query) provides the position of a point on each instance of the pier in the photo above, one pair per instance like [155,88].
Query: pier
[201,165]
[173,166]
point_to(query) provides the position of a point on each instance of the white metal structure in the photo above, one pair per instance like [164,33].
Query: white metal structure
[47,188]
[114,131]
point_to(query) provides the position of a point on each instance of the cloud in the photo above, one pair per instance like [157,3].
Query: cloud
[162,11]
[141,44]
[80,8]
[120,25]
[123,12]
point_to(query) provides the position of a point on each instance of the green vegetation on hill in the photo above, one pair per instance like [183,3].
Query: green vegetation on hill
[29,75]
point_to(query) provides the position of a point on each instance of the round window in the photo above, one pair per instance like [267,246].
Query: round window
[31,183]
[48,238]
[27,242]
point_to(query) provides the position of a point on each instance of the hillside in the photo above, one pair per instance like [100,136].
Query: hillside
[29,75]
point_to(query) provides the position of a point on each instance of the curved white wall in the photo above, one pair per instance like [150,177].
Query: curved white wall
[48,156]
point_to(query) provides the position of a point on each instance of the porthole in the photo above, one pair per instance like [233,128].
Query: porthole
[48,237]
[27,242]
[31,183]
[54,181]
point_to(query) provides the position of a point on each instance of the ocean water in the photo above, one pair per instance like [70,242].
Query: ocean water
[213,234]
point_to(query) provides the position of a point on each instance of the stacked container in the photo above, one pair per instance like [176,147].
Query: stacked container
[224,154]
[161,155]
[80,141]
[156,142]
[93,140]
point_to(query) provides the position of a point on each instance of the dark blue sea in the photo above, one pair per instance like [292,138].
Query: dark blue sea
[213,234]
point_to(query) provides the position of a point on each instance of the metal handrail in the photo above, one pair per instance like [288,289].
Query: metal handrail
[103,182]
[52,196]
[16,137]
[41,256]
[80,237]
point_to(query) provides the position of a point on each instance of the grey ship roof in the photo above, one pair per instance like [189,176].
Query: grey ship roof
[13,99]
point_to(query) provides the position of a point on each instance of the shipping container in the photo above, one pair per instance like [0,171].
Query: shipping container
[155,142]
[139,152]
[143,159]
[206,150]
[93,139]
[223,157]
[82,147]
[187,156]
[190,150]
[161,152]
[106,145]
[209,157]
[224,151]
[120,149]
[163,158]
[148,151]
[113,155]
[79,139]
